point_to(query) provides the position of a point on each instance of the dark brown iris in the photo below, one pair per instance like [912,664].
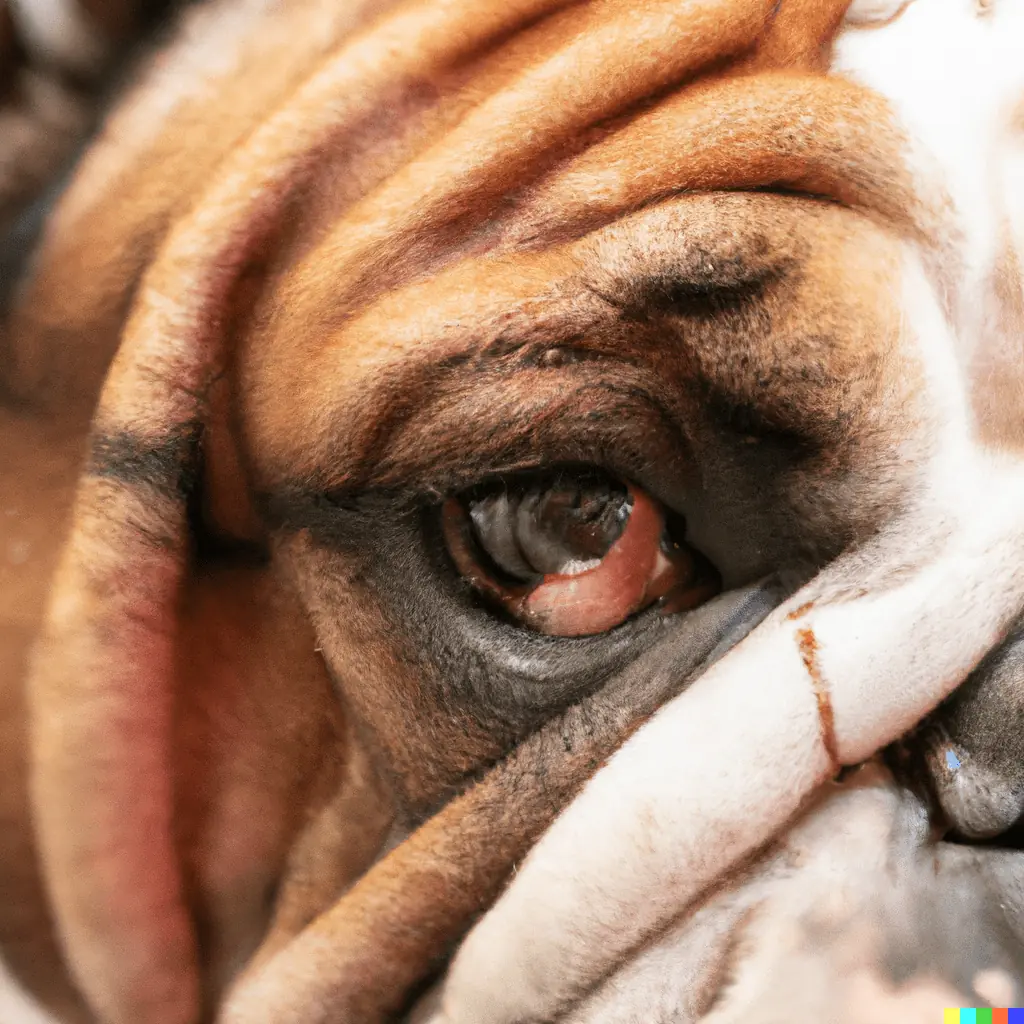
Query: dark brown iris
[572,554]
[556,526]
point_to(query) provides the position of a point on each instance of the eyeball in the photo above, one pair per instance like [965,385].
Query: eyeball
[573,554]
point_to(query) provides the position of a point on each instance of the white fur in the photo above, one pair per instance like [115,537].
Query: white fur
[826,868]
[954,78]
[16,1006]
[803,932]
[722,767]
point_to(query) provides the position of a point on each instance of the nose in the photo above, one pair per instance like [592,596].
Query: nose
[973,748]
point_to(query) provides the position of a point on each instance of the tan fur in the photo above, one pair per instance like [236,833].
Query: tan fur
[260,268]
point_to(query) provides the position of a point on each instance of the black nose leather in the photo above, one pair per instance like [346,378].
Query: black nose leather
[972,748]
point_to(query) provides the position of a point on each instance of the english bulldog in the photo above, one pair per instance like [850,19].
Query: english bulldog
[478,480]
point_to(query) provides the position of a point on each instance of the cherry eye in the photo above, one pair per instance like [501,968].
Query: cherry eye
[573,554]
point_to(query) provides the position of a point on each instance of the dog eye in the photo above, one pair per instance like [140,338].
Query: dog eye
[573,553]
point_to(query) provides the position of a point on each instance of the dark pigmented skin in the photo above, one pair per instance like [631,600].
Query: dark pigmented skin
[469,685]
[972,750]
[168,466]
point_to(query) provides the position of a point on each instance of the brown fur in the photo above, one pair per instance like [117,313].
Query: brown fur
[400,213]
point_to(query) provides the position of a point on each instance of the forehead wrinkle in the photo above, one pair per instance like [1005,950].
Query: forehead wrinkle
[316,400]
[456,312]
[478,312]
[331,395]
[414,219]
[816,135]
[529,123]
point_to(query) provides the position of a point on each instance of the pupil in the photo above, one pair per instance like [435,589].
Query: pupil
[561,525]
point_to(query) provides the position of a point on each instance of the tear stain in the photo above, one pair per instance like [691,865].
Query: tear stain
[799,613]
[808,644]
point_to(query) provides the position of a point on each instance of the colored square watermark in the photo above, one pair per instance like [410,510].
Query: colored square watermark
[982,1015]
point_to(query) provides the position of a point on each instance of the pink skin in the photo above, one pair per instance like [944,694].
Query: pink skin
[634,574]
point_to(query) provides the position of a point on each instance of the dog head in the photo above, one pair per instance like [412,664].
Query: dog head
[465,366]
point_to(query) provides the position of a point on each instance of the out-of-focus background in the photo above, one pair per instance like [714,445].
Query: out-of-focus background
[60,63]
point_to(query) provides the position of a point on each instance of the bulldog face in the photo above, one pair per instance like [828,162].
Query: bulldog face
[499,380]
[678,353]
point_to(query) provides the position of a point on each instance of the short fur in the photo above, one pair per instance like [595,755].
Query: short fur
[661,237]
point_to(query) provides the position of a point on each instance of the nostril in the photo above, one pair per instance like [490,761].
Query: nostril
[979,802]
[969,753]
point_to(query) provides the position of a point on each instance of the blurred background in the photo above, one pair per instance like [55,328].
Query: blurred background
[61,61]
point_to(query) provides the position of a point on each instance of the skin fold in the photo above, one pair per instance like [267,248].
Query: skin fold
[266,756]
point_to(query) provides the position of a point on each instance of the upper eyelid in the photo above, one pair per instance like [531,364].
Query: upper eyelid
[426,463]
[458,376]
[574,320]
